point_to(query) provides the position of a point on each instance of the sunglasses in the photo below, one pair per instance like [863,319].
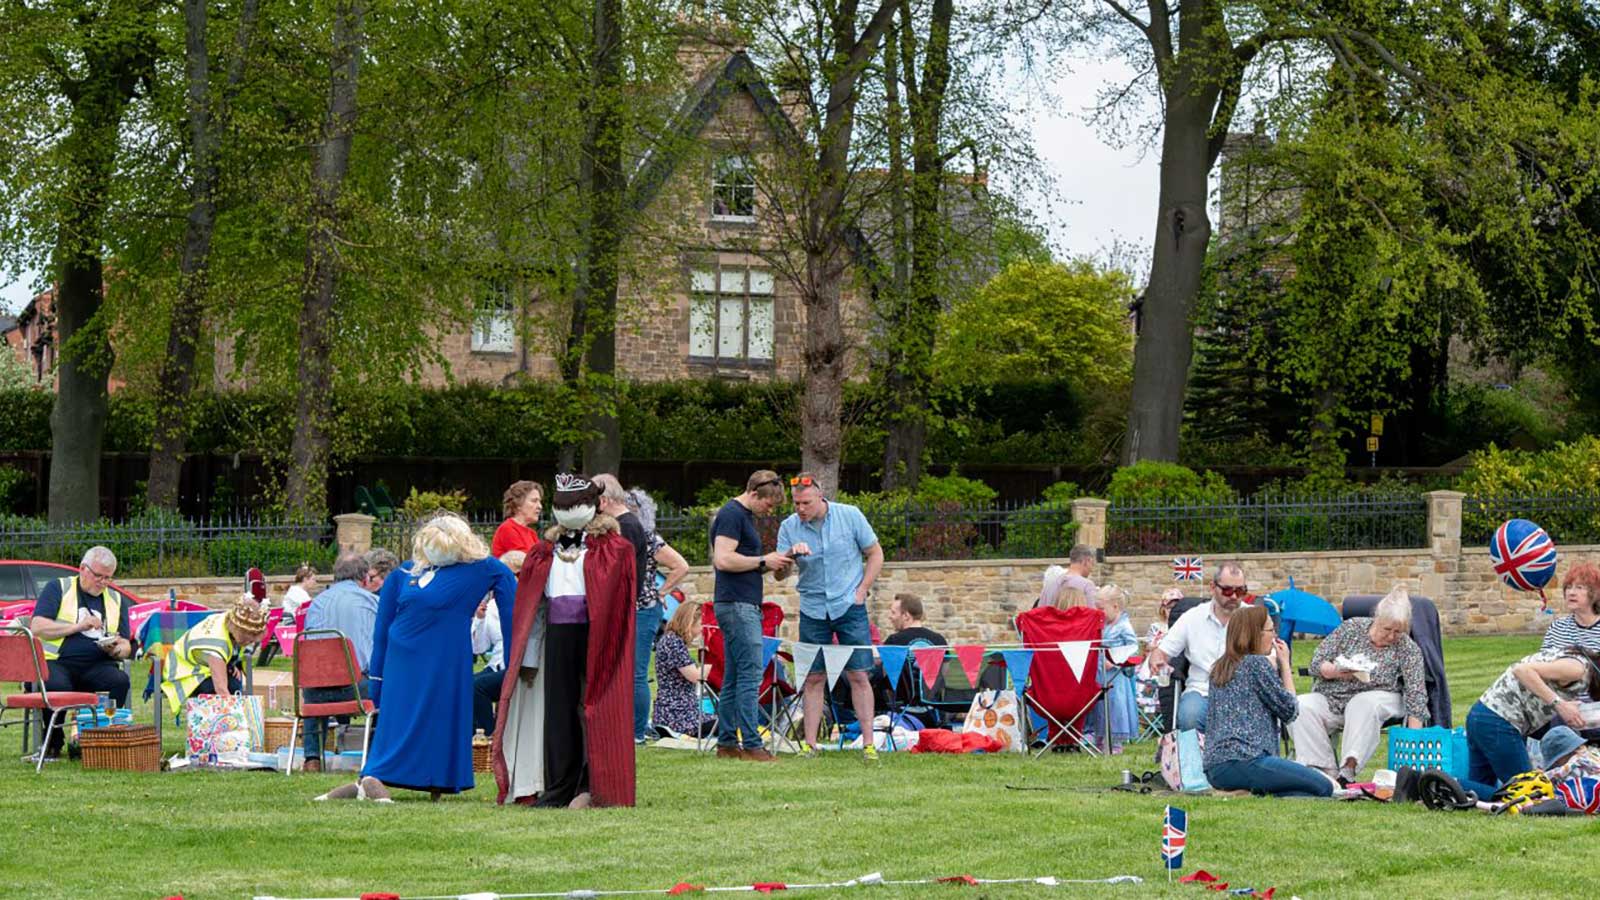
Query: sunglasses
[802,481]
[776,481]
[1229,591]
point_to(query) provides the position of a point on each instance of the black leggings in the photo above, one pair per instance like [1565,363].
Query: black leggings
[566,760]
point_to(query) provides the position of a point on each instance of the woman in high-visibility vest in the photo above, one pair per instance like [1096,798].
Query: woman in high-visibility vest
[204,659]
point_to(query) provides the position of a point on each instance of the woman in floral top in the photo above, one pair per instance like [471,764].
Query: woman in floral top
[1342,699]
[1250,695]
[1520,702]
[677,706]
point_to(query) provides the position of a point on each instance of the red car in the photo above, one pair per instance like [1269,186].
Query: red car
[21,580]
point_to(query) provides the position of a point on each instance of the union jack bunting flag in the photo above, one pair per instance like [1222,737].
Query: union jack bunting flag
[1188,568]
[1174,835]
[1581,792]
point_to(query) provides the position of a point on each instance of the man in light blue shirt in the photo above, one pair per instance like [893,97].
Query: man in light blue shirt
[838,557]
[351,610]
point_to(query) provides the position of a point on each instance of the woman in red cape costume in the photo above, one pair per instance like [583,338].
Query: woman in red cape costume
[608,690]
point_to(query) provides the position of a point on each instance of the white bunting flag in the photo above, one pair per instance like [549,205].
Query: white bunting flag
[834,658]
[805,656]
[1076,654]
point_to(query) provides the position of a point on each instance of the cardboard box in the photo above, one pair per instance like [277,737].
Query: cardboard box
[274,688]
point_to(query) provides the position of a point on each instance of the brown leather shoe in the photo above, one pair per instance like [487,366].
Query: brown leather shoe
[729,752]
[759,754]
[312,765]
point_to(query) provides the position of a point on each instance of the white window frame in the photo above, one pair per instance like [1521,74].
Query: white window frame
[717,294]
[494,327]
[726,165]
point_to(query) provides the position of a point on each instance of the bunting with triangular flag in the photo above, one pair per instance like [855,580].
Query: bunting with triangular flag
[1017,663]
[834,658]
[893,657]
[1076,654]
[971,657]
[930,660]
[805,656]
[769,649]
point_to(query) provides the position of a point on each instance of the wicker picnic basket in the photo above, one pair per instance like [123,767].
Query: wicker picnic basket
[482,755]
[275,733]
[123,748]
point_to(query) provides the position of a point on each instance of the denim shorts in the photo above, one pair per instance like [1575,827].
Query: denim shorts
[850,628]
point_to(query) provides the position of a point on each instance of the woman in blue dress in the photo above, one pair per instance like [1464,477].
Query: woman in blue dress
[421,665]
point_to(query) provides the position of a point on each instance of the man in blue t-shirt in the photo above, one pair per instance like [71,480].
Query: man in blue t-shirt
[839,558]
[739,563]
[83,623]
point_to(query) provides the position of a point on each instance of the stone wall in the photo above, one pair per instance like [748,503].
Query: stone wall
[975,600]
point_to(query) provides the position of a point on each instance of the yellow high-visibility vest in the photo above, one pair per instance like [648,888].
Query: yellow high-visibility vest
[188,664]
[68,612]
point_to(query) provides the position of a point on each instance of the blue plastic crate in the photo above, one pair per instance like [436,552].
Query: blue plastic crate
[1429,748]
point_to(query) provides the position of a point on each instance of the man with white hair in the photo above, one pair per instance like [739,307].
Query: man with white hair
[82,620]
[1363,674]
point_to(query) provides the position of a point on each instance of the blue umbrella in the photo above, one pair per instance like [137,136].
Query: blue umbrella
[1302,612]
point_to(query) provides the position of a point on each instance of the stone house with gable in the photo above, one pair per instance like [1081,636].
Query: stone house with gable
[696,299]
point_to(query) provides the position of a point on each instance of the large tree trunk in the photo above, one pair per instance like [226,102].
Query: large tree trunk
[826,226]
[307,489]
[600,176]
[117,56]
[176,380]
[914,331]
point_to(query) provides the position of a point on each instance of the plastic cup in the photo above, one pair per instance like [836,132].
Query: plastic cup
[1383,783]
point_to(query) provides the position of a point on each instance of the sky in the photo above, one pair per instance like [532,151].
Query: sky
[1100,200]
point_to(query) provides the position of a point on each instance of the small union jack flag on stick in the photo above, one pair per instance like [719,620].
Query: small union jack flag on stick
[1188,568]
[1174,835]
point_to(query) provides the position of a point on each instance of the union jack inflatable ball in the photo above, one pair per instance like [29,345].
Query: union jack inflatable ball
[1523,555]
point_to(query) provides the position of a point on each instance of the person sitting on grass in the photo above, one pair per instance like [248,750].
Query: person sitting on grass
[205,660]
[1248,701]
[677,705]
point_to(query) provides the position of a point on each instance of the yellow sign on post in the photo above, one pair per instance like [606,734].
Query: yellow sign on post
[1372,444]
[1377,428]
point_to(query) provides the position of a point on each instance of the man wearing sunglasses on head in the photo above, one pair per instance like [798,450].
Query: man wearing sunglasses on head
[839,558]
[1198,636]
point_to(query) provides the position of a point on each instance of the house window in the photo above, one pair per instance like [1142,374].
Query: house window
[730,315]
[733,190]
[494,329]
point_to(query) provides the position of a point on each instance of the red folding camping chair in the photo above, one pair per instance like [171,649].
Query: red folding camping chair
[22,660]
[325,658]
[1054,692]
[772,692]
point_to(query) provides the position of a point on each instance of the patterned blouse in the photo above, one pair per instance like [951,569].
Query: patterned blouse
[1243,715]
[1399,671]
[1511,700]
[649,593]
[676,706]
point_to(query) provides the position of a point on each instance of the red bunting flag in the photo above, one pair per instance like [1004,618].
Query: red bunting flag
[1266,894]
[930,662]
[767,887]
[971,657]
[960,879]
[684,887]
[1200,875]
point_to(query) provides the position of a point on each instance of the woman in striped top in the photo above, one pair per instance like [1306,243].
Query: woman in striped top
[1581,590]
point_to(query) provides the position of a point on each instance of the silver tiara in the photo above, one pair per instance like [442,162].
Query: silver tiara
[570,483]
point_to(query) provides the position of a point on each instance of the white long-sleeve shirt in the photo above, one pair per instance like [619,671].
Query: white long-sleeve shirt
[486,637]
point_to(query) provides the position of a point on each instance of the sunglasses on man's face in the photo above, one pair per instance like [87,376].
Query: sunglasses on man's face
[1228,590]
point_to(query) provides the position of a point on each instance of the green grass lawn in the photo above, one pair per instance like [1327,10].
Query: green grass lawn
[72,833]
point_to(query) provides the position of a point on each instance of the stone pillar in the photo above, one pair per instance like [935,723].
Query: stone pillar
[1090,514]
[1444,544]
[354,534]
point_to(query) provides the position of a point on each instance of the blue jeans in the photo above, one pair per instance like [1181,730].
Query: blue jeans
[1269,775]
[645,624]
[1192,707]
[1496,751]
[485,694]
[739,711]
[312,739]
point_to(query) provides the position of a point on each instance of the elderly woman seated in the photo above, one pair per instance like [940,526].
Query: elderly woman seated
[1364,673]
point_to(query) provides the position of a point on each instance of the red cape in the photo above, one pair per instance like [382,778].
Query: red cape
[608,579]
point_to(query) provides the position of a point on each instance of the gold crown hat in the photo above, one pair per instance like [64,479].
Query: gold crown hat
[246,616]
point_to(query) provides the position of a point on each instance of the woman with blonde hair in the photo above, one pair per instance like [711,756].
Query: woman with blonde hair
[425,611]
[677,706]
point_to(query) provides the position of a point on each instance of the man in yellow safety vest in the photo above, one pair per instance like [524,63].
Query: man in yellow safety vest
[83,623]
